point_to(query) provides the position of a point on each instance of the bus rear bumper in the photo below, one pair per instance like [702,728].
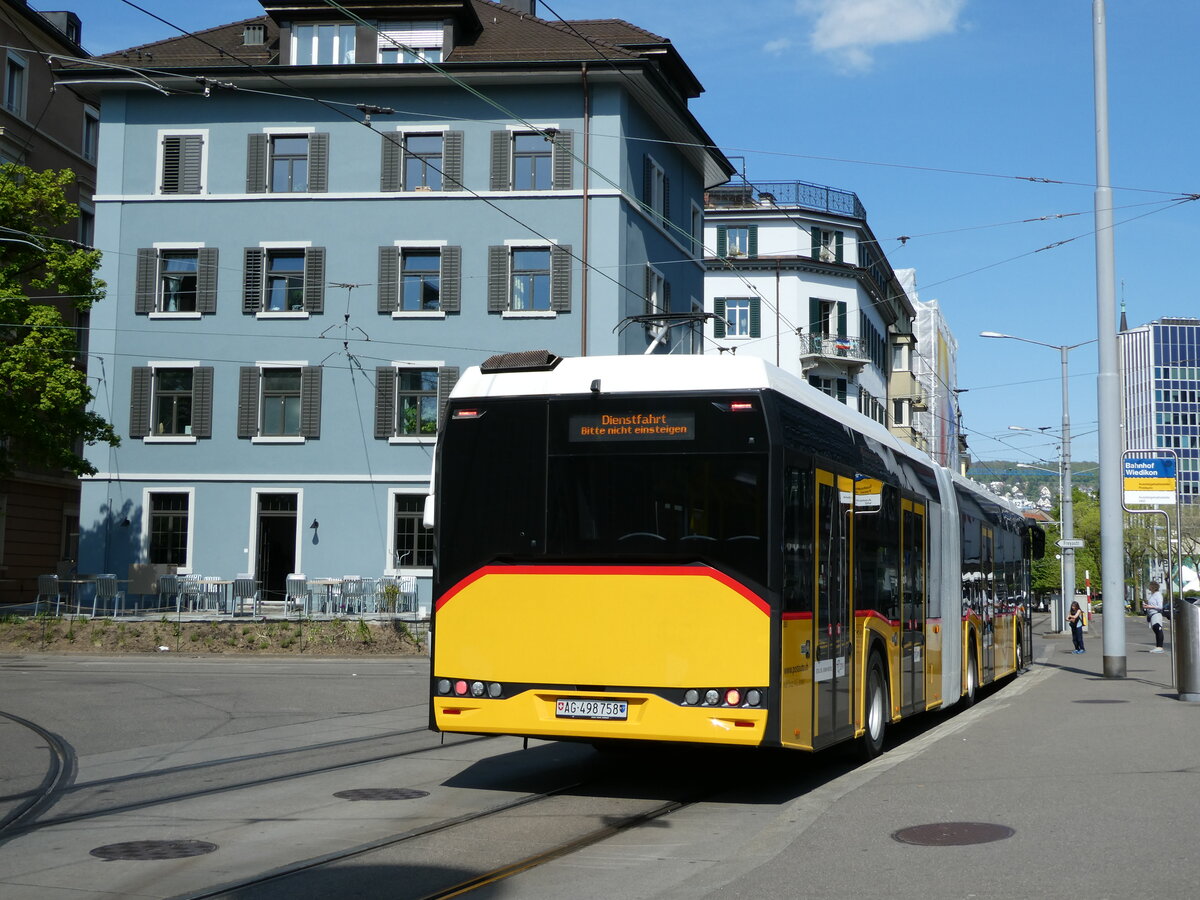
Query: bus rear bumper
[649,718]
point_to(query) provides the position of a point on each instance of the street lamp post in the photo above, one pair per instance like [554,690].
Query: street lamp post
[1067,506]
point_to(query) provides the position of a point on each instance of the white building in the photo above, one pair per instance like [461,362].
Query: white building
[795,276]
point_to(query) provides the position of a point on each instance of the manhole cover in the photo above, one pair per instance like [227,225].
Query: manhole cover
[154,850]
[1101,701]
[381,794]
[952,834]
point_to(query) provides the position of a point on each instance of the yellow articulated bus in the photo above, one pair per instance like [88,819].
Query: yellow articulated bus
[705,550]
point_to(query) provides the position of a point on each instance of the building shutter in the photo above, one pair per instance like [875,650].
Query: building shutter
[497,279]
[560,278]
[452,160]
[318,162]
[564,160]
[838,239]
[841,314]
[666,207]
[310,401]
[649,307]
[145,282]
[841,390]
[252,281]
[501,145]
[389,162]
[141,384]
[206,280]
[752,241]
[389,280]
[314,280]
[647,180]
[814,315]
[666,296]
[451,279]
[202,399]
[719,321]
[247,418]
[256,164]
[182,156]
[385,402]
[755,317]
[722,240]
[447,378]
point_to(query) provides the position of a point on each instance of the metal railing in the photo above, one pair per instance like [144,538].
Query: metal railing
[826,347]
[786,194]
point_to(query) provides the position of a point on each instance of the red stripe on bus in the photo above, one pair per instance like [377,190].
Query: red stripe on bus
[874,614]
[793,616]
[692,571]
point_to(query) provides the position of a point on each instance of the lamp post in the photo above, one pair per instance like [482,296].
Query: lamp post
[1067,507]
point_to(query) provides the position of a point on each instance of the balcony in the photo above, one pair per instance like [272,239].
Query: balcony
[847,351]
[785,195]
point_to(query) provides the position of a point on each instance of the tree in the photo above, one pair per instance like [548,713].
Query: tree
[44,395]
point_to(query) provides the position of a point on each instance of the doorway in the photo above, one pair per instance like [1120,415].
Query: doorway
[275,546]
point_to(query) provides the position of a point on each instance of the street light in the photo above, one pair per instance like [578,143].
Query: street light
[1067,511]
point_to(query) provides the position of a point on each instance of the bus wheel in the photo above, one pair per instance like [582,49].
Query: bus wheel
[875,712]
[972,679]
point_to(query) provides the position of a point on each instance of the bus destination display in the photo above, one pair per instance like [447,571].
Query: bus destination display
[633,426]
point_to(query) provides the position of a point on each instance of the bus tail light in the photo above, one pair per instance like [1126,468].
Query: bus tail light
[463,687]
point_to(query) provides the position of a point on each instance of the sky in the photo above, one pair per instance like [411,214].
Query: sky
[965,127]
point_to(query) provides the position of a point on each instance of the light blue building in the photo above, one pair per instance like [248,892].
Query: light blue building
[313,220]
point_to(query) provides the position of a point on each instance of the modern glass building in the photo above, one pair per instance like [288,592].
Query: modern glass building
[1161,363]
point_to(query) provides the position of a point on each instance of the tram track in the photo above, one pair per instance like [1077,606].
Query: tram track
[97,798]
[59,774]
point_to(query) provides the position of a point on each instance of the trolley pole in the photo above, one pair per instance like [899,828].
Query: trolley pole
[1108,381]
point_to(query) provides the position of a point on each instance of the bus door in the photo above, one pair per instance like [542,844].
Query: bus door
[832,620]
[913,658]
[987,603]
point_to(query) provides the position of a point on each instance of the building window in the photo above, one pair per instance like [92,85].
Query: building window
[255,36]
[739,317]
[420,280]
[901,413]
[16,83]
[182,164]
[279,401]
[533,280]
[422,162]
[827,245]
[826,318]
[530,284]
[171,401]
[322,45]
[833,387]
[87,226]
[410,42]
[532,160]
[656,188]
[410,400]
[737,241]
[284,280]
[91,133]
[901,358]
[169,521]
[177,271]
[657,300]
[180,280]
[287,163]
[413,542]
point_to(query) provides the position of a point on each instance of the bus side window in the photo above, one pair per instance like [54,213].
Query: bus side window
[797,541]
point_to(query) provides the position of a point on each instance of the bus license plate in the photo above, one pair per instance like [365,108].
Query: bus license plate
[574,708]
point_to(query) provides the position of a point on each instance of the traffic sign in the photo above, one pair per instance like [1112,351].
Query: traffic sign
[1071,543]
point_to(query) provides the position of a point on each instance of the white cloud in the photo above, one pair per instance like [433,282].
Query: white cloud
[777,46]
[851,29]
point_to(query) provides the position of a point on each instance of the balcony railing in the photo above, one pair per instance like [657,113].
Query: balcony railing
[785,194]
[850,350]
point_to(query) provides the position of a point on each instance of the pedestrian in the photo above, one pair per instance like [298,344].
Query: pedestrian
[1075,620]
[1153,608]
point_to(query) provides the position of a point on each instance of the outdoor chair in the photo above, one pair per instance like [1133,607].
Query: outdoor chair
[408,593]
[297,595]
[50,591]
[170,590]
[351,594]
[108,595]
[245,588]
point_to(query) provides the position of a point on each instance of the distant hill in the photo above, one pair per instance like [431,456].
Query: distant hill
[1030,481]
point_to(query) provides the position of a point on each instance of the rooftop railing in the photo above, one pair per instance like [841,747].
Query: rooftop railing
[785,194]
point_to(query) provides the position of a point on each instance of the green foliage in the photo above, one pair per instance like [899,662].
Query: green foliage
[44,394]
